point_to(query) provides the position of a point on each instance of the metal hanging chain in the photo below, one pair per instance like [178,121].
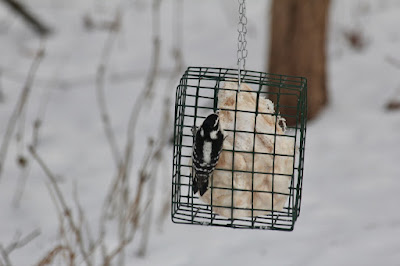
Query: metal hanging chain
[242,43]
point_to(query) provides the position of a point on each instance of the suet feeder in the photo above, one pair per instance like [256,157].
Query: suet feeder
[257,183]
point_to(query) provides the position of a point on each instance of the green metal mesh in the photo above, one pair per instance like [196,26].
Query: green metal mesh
[196,98]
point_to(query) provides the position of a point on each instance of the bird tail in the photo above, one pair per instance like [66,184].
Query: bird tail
[195,186]
[203,188]
[200,184]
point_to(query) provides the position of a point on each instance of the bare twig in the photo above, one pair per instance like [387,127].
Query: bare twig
[177,55]
[76,239]
[118,195]
[19,243]
[101,99]
[163,137]
[48,259]
[63,230]
[5,257]
[1,87]
[22,178]
[53,182]
[146,93]
[393,105]
[118,250]
[20,106]
[66,210]
[38,26]
[143,177]
[149,173]
[149,212]
[144,96]
[83,223]
[81,213]
[100,82]
[38,122]
[152,167]
[22,160]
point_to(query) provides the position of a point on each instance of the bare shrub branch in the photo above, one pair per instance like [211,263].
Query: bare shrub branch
[23,161]
[66,211]
[100,84]
[21,242]
[393,105]
[129,210]
[19,107]
[5,257]
[49,257]
[177,55]
[2,97]
[38,26]
[119,194]
[15,244]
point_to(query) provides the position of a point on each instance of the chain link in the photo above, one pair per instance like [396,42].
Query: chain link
[242,43]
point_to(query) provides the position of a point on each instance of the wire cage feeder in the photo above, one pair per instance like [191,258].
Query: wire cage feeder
[273,206]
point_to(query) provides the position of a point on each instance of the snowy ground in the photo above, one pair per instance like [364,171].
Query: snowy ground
[352,173]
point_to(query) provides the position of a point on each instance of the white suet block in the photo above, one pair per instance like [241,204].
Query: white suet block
[247,101]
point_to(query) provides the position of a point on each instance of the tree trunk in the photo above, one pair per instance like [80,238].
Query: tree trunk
[298,35]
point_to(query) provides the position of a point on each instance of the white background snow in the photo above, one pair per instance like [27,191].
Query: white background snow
[350,209]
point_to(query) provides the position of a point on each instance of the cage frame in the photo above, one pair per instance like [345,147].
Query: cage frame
[187,209]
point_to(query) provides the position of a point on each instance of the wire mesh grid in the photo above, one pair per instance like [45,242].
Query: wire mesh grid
[196,98]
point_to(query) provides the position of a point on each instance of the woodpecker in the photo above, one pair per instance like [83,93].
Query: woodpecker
[207,147]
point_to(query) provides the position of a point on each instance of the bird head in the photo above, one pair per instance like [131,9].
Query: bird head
[211,123]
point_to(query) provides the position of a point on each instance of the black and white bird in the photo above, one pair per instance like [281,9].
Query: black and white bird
[207,148]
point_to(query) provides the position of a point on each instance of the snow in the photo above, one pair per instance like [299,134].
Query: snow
[352,176]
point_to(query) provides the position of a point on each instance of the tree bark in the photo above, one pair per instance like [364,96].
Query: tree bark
[298,37]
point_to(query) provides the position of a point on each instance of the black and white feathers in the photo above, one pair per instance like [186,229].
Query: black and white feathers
[207,148]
